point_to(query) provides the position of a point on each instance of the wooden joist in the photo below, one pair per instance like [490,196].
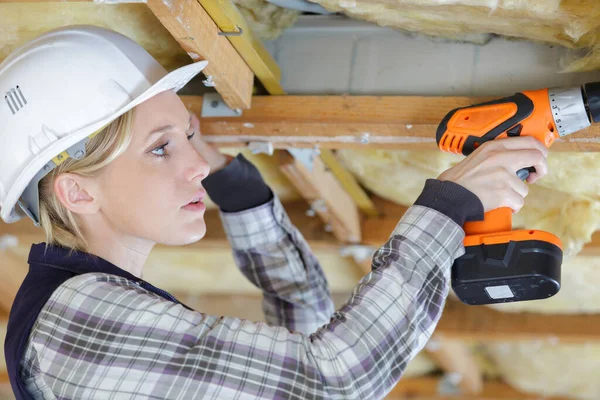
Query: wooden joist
[349,183]
[232,23]
[199,36]
[454,357]
[462,322]
[360,122]
[327,197]
[428,388]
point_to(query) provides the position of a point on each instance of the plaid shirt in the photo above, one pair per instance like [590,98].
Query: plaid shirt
[101,336]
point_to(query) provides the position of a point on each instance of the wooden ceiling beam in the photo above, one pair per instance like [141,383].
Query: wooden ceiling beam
[358,122]
[325,194]
[463,322]
[454,357]
[198,35]
[428,388]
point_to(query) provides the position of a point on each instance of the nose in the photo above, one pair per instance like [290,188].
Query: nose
[196,167]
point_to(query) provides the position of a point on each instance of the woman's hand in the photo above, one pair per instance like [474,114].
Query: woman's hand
[211,155]
[490,171]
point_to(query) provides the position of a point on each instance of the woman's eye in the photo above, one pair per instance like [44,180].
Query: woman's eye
[191,136]
[160,151]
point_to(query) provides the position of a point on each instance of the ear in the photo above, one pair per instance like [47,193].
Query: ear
[75,192]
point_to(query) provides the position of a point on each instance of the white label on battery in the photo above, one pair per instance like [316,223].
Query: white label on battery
[499,292]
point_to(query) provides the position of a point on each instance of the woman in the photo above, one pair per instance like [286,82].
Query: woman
[97,148]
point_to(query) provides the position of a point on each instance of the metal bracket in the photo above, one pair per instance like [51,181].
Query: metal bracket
[448,385]
[239,32]
[214,106]
[261,147]
[305,156]
[209,82]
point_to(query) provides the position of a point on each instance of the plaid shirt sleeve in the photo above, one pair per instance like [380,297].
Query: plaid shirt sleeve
[101,336]
[274,256]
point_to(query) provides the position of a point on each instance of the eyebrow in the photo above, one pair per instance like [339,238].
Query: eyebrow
[166,128]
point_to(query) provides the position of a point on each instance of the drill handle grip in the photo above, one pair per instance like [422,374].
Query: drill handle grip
[497,220]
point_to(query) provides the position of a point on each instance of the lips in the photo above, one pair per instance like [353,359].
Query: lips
[198,197]
[196,204]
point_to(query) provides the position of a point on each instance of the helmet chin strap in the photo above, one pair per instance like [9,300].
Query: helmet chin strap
[30,198]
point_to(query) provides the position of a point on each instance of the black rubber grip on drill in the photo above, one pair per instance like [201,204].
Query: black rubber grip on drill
[524,110]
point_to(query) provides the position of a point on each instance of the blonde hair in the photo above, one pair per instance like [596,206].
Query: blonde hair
[58,222]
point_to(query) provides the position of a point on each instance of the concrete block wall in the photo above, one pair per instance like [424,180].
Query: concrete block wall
[336,55]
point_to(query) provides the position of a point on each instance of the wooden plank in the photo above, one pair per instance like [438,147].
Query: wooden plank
[427,388]
[349,183]
[198,35]
[229,19]
[328,198]
[454,357]
[388,122]
[463,322]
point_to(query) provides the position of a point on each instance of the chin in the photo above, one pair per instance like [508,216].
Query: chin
[183,238]
[196,236]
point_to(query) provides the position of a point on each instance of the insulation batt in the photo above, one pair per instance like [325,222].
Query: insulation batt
[20,23]
[550,369]
[571,23]
[268,21]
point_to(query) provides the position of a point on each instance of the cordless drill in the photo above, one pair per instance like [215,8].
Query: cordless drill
[500,264]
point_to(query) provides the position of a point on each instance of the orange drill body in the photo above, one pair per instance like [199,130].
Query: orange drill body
[502,264]
[535,119]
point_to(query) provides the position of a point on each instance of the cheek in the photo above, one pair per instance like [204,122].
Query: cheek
[146,203]
[140,198]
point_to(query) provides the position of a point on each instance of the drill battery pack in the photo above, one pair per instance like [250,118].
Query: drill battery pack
[514,270]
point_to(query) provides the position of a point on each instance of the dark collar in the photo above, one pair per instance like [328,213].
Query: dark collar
[75,261]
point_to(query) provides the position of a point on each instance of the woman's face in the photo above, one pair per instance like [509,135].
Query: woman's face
[148,191]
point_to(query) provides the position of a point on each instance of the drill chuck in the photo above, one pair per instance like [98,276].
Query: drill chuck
[568,108]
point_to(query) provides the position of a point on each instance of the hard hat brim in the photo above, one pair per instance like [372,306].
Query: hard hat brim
[174,80]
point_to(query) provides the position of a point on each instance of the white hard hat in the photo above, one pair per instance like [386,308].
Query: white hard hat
[60,89]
